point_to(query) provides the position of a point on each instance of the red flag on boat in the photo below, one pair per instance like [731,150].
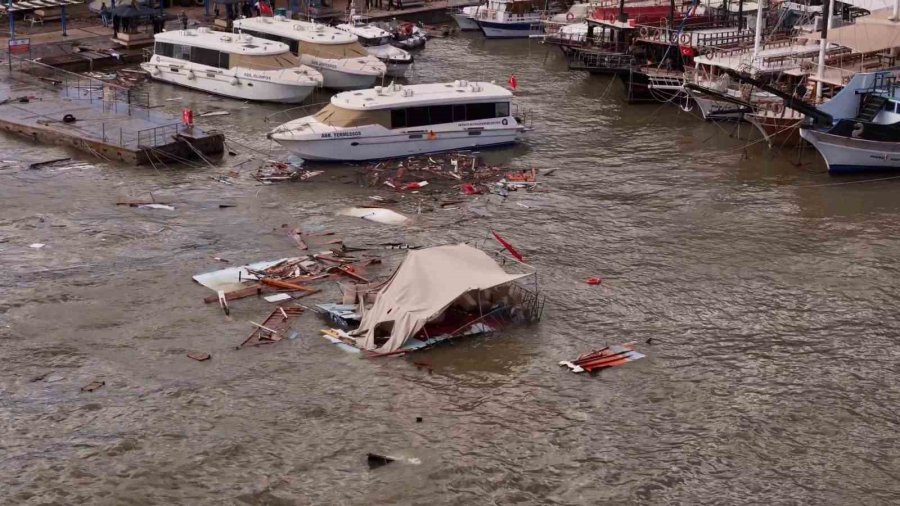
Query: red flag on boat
[688,51]
[512,81]
[509,247]
[265,9]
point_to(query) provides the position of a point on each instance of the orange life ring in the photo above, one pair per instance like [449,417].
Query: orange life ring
[570,17]
[644,32]
[778,107]
[685,38]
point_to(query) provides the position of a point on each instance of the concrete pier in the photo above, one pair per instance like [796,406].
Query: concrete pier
[104,120]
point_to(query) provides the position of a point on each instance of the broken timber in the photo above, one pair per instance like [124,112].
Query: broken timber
[272,329]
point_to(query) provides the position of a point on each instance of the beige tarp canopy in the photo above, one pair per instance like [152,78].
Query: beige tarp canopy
[875,32]
[424,286]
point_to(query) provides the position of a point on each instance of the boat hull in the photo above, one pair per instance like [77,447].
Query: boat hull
[464,22]
[396,69]
[641,87]
[494,30]
[846,155]
[338,80]
[222,82]
[716,110]
[395,145]
[779,130]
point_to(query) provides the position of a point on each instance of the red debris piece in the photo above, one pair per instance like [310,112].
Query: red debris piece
[469,189]
[509,247]
[594,281]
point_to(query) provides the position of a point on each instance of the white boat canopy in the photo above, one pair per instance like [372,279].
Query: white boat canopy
[427,283]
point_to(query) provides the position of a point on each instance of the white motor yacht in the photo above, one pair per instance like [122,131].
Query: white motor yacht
[237,66]
[508,19]
[378,43]
[396,121]
[336,54]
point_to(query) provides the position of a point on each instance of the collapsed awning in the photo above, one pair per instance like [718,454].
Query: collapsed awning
[31,5]
[424,286]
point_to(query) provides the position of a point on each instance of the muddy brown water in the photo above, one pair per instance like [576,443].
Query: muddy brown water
[769,289]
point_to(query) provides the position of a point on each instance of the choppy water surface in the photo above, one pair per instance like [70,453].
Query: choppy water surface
[770,293]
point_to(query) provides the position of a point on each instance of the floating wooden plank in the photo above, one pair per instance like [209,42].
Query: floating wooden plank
[273,328]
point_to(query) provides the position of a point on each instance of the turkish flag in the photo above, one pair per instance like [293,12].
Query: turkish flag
[512,81]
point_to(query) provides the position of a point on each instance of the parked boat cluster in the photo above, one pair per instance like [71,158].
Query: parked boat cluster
[793,72]
[823,74]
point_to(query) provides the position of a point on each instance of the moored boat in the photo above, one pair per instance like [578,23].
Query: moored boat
[378,43]
[397,121]
[864,132]
[510,19]
[336,54]
[237,66]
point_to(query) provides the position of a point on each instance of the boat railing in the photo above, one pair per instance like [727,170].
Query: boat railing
[293,113]
[599,60]
[523,115]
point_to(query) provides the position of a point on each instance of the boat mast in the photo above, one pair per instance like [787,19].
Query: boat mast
[758,36]
[740,16]
[671,14]
[827,9]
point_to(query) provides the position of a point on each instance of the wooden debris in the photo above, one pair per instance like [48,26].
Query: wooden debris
[273,328]
[199,357]
[92,386]
[285,285]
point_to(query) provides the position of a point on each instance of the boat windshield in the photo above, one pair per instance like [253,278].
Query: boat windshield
[335,116]
[265,61]
[333,51]
[375,41]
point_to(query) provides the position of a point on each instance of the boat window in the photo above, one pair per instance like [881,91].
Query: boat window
[398,118]
[441,114]
[183,52]
[417,116]
[332,115]
[205,56]
[265,61]
[459,112]
[165,49]
[333,51]
[291,43]
[480,111]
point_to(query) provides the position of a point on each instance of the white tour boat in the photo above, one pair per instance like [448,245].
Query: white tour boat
[508,19]
[396,121]
[336,54]
[378,43]
[465,18]
[237,66]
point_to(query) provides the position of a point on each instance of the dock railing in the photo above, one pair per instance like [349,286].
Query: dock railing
[108,96]
[80,87]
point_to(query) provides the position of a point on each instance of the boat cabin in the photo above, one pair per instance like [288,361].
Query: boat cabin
[204,47]
[303,37]
[420,105]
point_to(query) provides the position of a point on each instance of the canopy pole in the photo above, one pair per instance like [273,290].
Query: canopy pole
[827,10]
[12,22]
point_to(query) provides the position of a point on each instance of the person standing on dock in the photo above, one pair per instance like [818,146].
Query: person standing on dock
[104,15]
[184,20]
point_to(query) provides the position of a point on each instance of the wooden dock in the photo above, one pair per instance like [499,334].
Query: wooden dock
[101,119]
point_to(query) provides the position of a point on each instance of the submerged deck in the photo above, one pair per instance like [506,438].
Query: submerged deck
[109,122]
